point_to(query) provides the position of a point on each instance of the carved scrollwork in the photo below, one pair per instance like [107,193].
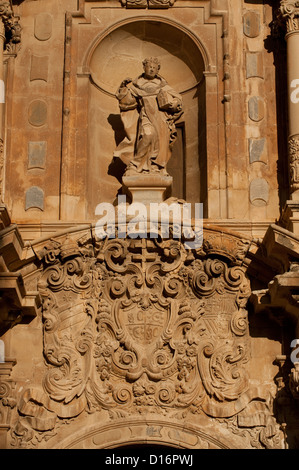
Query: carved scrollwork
[139,325]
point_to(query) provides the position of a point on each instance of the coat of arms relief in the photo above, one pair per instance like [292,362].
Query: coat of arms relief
[138,327]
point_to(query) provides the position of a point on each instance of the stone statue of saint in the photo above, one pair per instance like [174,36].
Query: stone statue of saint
[149,108]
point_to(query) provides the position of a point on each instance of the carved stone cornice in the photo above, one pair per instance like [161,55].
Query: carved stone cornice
[288,13]
[147,3]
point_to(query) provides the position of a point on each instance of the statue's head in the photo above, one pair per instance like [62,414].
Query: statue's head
[151,66]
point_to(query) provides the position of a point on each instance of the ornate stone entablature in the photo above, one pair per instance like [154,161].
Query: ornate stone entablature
[147,3]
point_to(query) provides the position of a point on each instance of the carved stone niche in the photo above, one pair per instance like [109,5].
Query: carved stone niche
[143,327]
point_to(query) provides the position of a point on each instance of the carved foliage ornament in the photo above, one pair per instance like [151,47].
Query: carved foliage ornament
[139,326]
[147,3]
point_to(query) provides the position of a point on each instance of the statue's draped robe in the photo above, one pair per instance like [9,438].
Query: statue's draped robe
[150,132]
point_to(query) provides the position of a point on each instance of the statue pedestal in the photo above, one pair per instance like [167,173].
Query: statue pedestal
[147,188]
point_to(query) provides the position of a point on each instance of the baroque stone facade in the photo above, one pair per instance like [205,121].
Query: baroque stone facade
[116,341]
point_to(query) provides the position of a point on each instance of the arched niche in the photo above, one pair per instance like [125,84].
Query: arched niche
[119,54]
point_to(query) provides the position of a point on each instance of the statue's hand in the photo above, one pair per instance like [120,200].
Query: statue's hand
[126,81]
